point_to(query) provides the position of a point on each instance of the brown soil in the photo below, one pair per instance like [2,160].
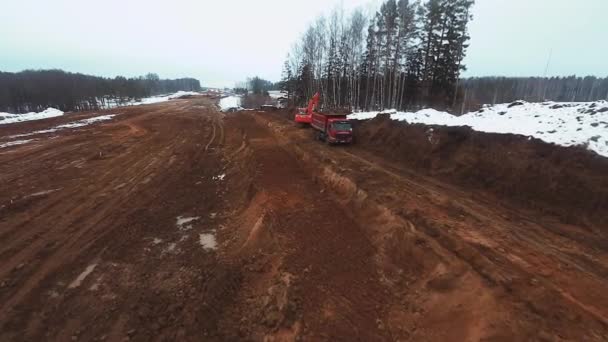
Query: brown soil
[313,242]
[570,182]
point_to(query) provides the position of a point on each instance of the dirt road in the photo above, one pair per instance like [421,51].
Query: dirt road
[176,222]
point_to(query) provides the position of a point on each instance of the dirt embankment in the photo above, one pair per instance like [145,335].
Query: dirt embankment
[176,222]
[456,262]
[569,182]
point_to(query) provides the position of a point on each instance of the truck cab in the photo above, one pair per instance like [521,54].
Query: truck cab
[340,131]
[332,128]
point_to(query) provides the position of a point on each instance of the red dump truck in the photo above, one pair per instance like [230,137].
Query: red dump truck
[332,128]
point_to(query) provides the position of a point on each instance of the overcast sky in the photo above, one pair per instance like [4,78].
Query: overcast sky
[221,42]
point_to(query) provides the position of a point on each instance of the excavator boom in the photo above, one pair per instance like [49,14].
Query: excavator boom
[304,115]
[312,103]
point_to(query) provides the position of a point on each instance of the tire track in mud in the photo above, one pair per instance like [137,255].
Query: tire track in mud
[316,280]
[497,277]
[212,136]
[112,208]
[313,242]
[218,125]
[552,244]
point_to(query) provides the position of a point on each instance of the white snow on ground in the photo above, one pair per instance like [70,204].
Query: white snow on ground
[42,193]
[561,123]
[75,124]
[277,94]
[14,143]
[208,241]
[81,277]
[185,223]
[163,98]
[86,122]
[7,118]
[230,102]
[183,93]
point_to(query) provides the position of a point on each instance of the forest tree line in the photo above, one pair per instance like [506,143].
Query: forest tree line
[491,90]
[254,91]
[407,55]
[36,90]
[256,85]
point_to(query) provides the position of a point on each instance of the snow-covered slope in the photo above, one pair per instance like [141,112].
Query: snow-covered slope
[229,102]
[562,123]
[163,98]
[7,118]
[277,94]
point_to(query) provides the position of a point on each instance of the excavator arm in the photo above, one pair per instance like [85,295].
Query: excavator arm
[313,103]
[302,117]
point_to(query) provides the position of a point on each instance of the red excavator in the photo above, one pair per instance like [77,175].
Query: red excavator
[331,128]
[304,115]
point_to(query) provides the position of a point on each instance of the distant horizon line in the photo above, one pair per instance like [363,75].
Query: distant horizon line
[235,82]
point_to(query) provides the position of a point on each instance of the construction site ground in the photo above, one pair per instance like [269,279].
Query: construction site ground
[175,222]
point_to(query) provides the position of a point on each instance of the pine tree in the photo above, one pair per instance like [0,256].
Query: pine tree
[412,55]
[368,69]
[287,81]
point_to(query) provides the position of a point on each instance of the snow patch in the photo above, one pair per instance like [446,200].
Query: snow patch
[230,103]
[161,98]
[170,248]
[82,276]
[42,193]
[183,93]
[561,123]
[219,177]
[15,143]
[277,94]
[97,283]
[183,223]
[208,241]
[75,124]
[7,118]
[86,122]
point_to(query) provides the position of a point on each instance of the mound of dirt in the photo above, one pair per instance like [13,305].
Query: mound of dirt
[569,182]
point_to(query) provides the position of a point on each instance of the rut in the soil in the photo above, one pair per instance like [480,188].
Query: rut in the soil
[489,269]
[175,222]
